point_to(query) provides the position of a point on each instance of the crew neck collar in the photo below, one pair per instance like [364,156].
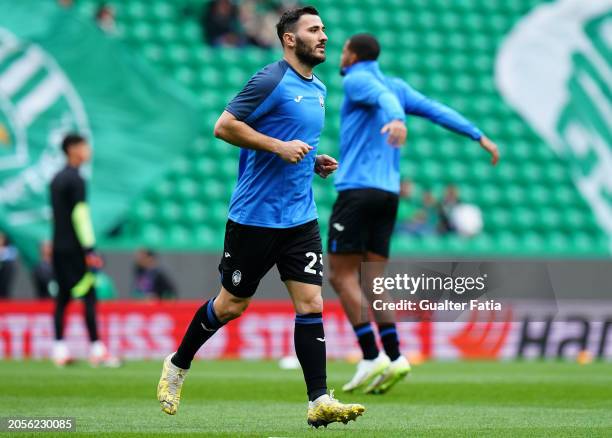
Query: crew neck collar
[310,79]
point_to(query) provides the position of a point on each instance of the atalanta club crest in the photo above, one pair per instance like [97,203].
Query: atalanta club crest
[236,277]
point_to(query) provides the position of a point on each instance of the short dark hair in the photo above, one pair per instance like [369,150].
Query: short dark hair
[289,18]
[71,140]
[365,46]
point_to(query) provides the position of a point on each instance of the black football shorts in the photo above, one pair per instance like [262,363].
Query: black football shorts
[362,220]
[249,252]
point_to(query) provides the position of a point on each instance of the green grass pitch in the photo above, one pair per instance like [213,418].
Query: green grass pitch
[244,398]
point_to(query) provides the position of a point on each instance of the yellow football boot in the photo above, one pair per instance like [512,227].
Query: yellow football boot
[326,409]
[169,386]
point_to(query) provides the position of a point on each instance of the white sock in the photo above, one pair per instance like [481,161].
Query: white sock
[98,349]
[60,349]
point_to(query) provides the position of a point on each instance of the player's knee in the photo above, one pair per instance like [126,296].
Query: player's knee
[232,309]
[312,304]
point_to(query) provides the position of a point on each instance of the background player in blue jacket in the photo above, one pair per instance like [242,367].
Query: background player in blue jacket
[372,129]
[277,121]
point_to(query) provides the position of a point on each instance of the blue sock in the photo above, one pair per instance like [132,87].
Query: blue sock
[203,325]
[367,341]
[390,339]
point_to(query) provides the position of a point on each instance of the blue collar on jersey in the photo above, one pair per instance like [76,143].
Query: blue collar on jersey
[371,66]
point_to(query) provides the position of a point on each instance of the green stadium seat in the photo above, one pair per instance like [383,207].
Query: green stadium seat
[145,211]
[190,33]
[185,75]
[179,235]
[583,243]
[214,190]
[530,173]
[135,10]
[574,219]
[226,57]
[454,243]
[87,8]
[209,79]
[564,195]
[450,21]
[235,78]
[550,219]
[489,196]
[153,52]
[432,243]
[514,195]
[523,218]
[532,242]
[169,213]
[507,242]
[162,11]
[186,189]
[167,32]
[206,237]
[481,244]
[162,190]
[557,242]
[177,54]
[218,213]
[205,165]
[498,220]
[152,236]
[539,195]
[194,213]
[140,32]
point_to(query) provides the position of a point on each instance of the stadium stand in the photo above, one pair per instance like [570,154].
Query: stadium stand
[444,48]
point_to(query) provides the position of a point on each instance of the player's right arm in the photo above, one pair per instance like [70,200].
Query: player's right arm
[258,97]
[238,133]
[422,106]
[365,89]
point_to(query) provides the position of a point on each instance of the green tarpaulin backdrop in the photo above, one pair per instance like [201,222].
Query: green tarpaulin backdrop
[59,73]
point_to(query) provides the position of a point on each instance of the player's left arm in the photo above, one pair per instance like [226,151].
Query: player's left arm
[83,227]
[419,105]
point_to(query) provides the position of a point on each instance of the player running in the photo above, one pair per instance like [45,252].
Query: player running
[363,217]
[277,120]
[74,259]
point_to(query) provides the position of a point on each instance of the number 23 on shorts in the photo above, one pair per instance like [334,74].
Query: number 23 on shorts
[313,261]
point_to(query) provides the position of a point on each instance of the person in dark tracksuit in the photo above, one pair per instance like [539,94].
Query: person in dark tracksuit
[74,259]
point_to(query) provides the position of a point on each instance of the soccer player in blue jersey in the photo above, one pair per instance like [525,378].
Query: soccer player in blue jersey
[372,129]
[277,120]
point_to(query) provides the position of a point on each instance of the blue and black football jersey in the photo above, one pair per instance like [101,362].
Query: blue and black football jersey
[280,103]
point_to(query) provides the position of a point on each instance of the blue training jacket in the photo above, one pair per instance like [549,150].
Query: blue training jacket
[372,100]
[280,103]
